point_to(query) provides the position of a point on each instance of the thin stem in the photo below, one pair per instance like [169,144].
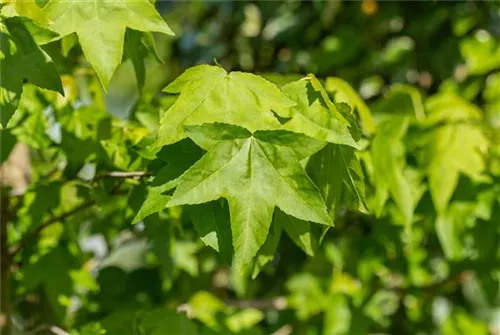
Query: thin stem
[121,174]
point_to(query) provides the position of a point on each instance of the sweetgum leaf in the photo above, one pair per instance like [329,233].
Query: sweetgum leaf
[209,94]
[254,174]
[20,59]
[312,116]
[101,25]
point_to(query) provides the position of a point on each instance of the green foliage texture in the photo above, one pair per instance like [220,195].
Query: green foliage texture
[272,167]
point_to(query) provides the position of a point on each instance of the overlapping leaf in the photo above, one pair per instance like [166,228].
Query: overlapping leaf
[254,172]
[22,59]
[101,25]
[315,116]
[459,141]
[210,94]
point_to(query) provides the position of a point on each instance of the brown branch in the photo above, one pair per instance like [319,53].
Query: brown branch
[17,247]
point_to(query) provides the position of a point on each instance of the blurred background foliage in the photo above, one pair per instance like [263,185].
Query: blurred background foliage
[426,260]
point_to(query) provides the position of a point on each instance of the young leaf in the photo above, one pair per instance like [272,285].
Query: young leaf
[210,94]
[18,50]
[101,25]
[255,174]
[312,116]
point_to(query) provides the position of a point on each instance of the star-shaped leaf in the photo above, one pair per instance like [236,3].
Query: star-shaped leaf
[210,94]
[254,172]
[101,25]
[21,59]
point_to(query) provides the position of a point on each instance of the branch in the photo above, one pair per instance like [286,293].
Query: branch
[276,303]
[17,247]
[121,174]
[53,329]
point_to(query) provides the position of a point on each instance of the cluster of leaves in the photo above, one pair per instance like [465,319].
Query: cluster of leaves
[232,202]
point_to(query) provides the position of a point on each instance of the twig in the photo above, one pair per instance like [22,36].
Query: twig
[277,303]
[17,247]
[53,329]
[122,174]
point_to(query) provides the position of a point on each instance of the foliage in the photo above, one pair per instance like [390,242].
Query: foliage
[209,182]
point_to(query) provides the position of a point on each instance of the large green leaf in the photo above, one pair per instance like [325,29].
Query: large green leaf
[210,94]
[101,26]
[20,59]
[254,172]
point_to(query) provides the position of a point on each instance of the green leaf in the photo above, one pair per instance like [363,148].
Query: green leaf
[254,174]
[301,232]
[343,92]
[52,271]
[460,141]
[268,250]
[19,48]
[211,222]
[244,319]
[205,307]
[400,100]
[210,94]
[101,26]
[337,172]
[7,142]
[306,295]
[313,117]
[337,318]
[178,157]
[389,164]
[451,226]
[481,52]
